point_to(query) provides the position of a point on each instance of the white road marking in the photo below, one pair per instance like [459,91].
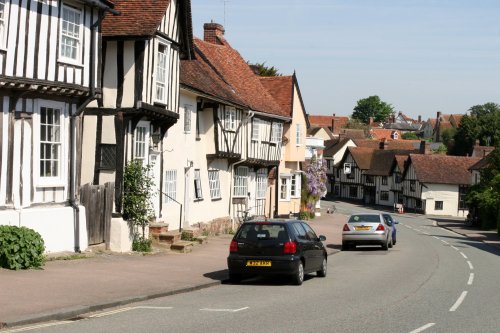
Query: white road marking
[423,328]
[225,310]
[434,223]
[109,313]
[436,237]
[417,230]
[24,329]
[459,301]
[426,233]
[470,265]
[463,255]
[442,240]
[471,279]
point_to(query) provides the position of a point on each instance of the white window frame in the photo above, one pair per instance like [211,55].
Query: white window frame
[143,127]
[261,184]
[298,133]
[230,118]
[59,180]
[198,193]
[170,185]
[70,35]
[188,110]
[3,23]
[285,181]
[214,184]
[162,71]
[256,129]
[276,132]
[240,182]
[296,185]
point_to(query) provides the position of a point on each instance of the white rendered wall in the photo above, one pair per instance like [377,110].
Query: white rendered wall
[441,192]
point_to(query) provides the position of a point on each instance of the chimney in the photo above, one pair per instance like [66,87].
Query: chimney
[419,118]
[383,144]
[333,124]
[370,121]
[425,147]
[438,114]
[334,115]
[212,33]
[477,143]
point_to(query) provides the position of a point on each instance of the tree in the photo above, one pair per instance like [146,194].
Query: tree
[372,107]
[447,136]
[137,194]
[262,70]
[466,135]
[409,136]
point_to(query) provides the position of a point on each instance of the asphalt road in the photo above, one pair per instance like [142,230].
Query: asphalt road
[431,281]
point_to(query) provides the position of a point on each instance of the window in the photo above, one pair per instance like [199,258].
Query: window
[161,72]
[214,184]
[295,186]
[108,157]
[298,133]
[71,21]
[230,119]
[398,177]
[256,129]
[240,188]
[369,179]
[384,195]
[170,185]
[412,185]
[300,231]
[336,190]
[261,183]
[284,193]
[310,233]
[418,203]
[197,185]
[276,132]
[438,205]
[141,140]
[462,192]
[353,192]
[187,118]
[50,142]
[2,23]
[384,180]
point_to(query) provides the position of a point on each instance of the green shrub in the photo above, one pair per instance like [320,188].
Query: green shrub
[187,236]
[304,215]
[20,248]
[140,244]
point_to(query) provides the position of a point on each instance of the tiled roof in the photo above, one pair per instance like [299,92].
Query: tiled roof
[376,162]
[481,151]
[138,18]
[442,169]
[481,164]
[352,133]
[381,133]
[389,145]
[332,147]
[229,66]
[362,156]
[400,161]
[281,88]
[320,121]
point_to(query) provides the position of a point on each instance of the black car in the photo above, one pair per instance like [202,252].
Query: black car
[282,247]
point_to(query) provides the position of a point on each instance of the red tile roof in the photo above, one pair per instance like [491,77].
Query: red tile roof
[389,145]
[229,66]
[281,88]
[320,121]
[138,18]
[382,133]
[443,169]
[400,161]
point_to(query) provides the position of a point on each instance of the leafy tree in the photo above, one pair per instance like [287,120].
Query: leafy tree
[483,124]
[262,70]
[137,205]
[447,136]
[410,136]
[372,107]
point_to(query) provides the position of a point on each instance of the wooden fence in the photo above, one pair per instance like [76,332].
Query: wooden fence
[98,203]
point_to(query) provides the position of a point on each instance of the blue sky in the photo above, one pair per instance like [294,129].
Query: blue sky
[421,56]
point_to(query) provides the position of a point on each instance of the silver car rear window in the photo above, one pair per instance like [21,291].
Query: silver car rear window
[257,231]
[364,218]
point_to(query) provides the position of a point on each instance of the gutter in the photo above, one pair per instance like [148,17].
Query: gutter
[79,111]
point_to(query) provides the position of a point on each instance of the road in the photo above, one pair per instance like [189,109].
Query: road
[433,280]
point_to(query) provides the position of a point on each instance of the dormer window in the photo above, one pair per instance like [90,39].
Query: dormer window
[395,135]
[71,32]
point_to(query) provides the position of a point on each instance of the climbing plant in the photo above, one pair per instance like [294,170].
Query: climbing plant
[314,179]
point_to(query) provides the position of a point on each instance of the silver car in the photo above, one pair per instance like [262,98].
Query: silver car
[367,229]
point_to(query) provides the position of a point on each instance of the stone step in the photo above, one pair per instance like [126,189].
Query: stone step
[158,228]
[202,239]
[169,237]
[182,246]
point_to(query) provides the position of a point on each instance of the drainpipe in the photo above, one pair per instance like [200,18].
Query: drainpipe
[247,119]
[79,111]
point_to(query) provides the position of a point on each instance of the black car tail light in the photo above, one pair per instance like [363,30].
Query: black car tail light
[289,248]
[233,247]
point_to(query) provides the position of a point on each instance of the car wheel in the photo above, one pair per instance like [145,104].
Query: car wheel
[298,278]
[390,243]
[322,271]
[234,278]
[385,246]
[345,246]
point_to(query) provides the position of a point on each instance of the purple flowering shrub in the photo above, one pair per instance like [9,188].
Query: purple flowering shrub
[314,179]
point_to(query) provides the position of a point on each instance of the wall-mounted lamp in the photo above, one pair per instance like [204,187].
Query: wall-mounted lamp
[156,137]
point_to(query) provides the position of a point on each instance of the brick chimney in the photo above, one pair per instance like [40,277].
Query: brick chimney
[212,33]
[477,143]
[383,144]
[438,114]
[425,147]
[419,118]
[333,124]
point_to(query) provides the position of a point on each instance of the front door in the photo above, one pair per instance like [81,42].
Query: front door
[154,162]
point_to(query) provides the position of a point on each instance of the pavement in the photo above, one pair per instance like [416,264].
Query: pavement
[66,289]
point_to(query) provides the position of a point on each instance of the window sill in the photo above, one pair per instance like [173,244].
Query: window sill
[216,199]
[160,104]
[198,200]
[51,183]
[71,62]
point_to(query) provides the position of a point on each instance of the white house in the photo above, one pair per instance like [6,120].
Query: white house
[50,70]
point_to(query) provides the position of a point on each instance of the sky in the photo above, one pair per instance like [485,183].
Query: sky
[420,56]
